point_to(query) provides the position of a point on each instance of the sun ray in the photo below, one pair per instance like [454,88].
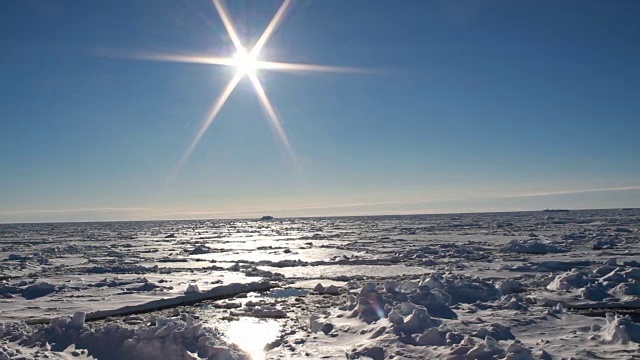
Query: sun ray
[226,20]
[286,66]
[178,58]
[245,63]
[271,114]
[273,24]
[211,116]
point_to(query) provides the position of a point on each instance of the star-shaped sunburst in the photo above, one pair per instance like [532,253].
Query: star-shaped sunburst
[247,63]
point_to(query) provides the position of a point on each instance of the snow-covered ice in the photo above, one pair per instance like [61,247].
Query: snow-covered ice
[531,285]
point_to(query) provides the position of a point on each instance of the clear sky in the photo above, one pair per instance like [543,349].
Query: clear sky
[474,106]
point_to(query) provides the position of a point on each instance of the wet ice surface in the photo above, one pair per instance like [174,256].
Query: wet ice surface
[460,286]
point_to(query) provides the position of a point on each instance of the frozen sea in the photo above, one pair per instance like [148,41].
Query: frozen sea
[521,285]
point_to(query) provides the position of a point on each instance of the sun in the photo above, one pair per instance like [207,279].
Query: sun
[245,63]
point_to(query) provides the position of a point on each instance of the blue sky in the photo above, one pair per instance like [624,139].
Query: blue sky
[477,106]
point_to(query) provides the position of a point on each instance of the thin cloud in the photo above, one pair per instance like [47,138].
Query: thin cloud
[574,191]
[252,211]
[71,211]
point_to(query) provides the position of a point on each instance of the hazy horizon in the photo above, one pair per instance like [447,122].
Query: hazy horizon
[345,210]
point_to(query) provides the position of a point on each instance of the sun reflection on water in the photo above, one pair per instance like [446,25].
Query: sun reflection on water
[252,335]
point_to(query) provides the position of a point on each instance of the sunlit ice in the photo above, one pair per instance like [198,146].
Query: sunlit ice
[252,335]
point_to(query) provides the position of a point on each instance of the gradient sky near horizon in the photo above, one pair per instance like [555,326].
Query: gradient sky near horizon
[479,106]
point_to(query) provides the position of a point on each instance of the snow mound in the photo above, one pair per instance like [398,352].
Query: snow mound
[192,288]
[495,331]
[469,349]
[619,329]
[372,352]
[603,284]
[510,286]
[415,322]
[201,249]
[513,302]
[316,324]
[329,290]
[463,288]
[407,306]
[574,279]
[368,305]
[604,243]
[594,292]
[181,338]
[530,246]
[632,289]
[38,290]
[122,269]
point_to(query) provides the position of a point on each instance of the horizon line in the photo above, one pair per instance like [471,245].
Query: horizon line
[470,212]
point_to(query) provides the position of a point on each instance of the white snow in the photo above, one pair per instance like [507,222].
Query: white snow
[531,246]
[459,286]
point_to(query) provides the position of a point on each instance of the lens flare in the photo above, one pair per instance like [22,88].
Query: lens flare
[246,63]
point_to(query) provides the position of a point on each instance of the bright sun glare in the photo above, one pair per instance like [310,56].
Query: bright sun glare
[253,335]
[245,63]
